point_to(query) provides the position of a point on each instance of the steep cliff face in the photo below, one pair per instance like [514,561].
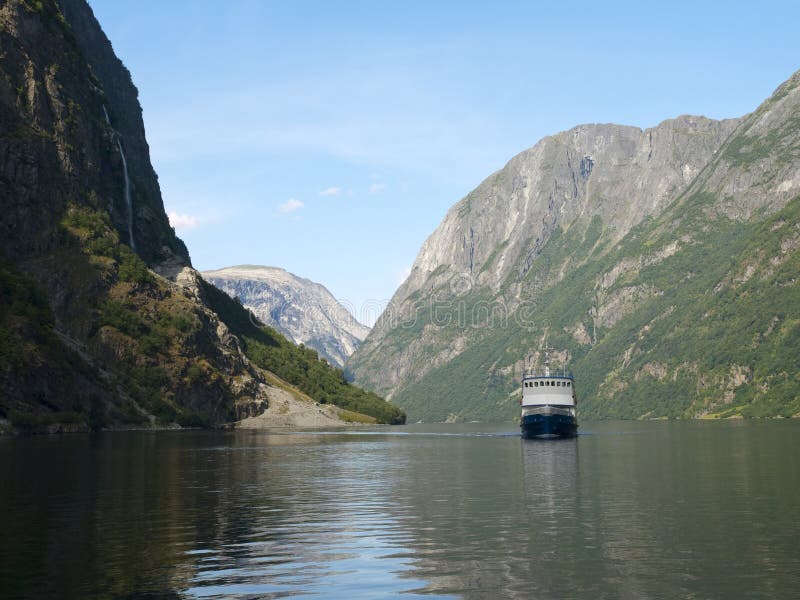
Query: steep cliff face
[302,310]
[608,240]
[757,169]
[595,179]
[103,322]
[60,80]
[155,238]
[116,343]
[619,174]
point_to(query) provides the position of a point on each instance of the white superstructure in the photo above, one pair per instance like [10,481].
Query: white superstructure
[547,388]
[548,392]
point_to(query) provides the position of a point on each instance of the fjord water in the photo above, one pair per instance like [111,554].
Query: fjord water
[628,509]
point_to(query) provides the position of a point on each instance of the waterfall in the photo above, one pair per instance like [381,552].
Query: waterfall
[128,199]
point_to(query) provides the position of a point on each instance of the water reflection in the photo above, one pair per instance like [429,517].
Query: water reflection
[313,519]
[631,510]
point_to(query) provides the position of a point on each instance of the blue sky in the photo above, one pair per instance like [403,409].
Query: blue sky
[330,138]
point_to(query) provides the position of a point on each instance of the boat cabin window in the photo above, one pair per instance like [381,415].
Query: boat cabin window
[569,384]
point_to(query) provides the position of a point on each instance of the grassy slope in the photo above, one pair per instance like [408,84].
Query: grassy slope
[702,325]
[300,366]
[717,334]
[150,341]
[154,342]
[137,346]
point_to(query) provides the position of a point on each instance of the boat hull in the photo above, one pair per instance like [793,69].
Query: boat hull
[548,426]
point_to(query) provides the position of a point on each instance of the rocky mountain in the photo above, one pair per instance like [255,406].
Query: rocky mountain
[302,310]
[103,322]
[662,262]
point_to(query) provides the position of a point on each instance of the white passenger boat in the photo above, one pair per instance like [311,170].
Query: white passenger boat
[548,403]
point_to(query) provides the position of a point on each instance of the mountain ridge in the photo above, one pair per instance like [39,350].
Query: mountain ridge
[584,277]
[103,322]
[521,189]
[301,309]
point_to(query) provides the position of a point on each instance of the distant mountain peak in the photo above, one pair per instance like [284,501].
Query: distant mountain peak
[303,310]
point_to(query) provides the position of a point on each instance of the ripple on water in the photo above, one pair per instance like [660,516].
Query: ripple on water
[628,510]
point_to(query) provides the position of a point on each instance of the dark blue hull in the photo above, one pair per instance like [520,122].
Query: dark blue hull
[549,426]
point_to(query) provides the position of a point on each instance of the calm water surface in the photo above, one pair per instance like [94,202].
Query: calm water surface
[627,510]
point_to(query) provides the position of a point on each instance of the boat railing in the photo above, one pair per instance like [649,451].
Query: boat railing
[560,373]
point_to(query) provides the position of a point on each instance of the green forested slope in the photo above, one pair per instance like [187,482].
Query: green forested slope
[720,336]
[694,312]
[103,323]
[300,366]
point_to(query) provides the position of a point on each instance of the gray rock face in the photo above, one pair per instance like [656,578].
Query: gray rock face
[661,261]
[491,237]
[76,181]
[759,166]
[621,174]
[302,310]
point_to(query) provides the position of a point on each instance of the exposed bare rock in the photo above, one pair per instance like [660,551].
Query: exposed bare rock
[304,311]
[661,258]
[617,174]
[103,322]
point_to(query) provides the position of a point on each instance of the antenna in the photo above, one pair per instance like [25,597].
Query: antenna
[546,349]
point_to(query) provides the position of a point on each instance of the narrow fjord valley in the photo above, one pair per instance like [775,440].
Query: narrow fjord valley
[234,433]
[662,262]
[104,323]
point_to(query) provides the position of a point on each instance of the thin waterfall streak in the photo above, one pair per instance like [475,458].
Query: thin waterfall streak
[128,199]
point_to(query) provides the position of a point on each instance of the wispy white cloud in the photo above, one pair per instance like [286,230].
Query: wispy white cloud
[377,188]
[331,191]
[179,221]
[291,205]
